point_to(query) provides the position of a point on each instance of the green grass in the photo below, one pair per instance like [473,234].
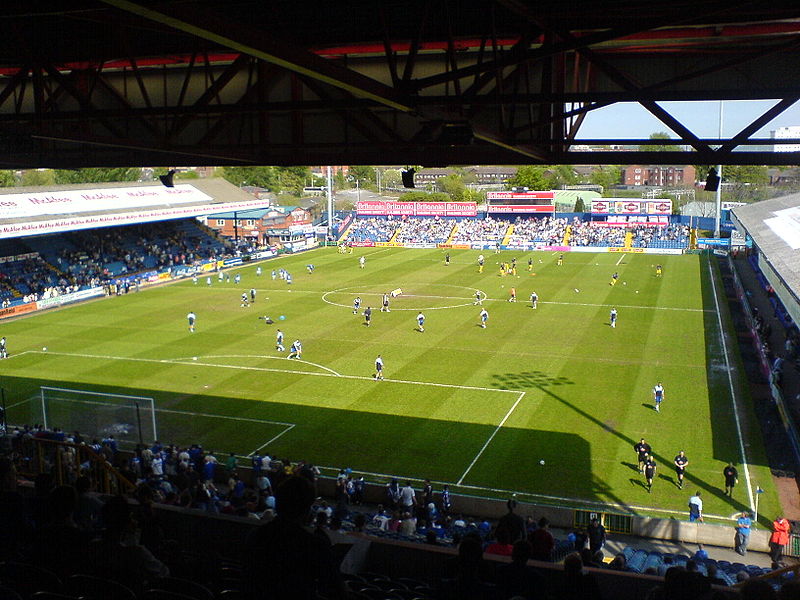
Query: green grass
[580,391]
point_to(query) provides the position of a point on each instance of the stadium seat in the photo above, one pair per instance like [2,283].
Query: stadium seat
[98,588]
[6,593]
[29,579]
[184,587]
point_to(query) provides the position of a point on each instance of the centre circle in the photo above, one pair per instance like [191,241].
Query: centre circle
[421,296]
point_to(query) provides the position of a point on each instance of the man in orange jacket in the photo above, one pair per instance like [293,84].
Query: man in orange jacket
[779,538]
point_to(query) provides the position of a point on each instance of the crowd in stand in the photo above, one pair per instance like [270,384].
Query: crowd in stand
[546,230]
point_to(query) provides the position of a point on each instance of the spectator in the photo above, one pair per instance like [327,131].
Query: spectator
[512,522]
[757,589]
[574,583]
[502,545]
[542,541]
[517,579]
[304,560]
[778,539]
[597,535]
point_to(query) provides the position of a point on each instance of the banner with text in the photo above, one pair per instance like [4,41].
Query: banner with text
[522,208]
[378,208]
[525,195]
[625,206]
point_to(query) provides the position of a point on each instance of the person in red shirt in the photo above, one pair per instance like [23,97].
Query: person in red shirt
[779,538]
[502,544]
[542,541]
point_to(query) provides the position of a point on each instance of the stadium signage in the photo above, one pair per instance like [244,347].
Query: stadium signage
[549,195]
[522,208]
[14,206]
[9,230]
[72,297]
[416,209]
[19,309]
[621,206]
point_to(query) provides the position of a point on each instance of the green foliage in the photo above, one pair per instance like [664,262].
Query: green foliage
[453,186]
[364,173]
[96,175]
[37,177]
[420,196]
[752,174]
[561,175]
[660,135]
[339,181]
[580,205]
[264,177]
[532,177]
[607,177]
[391,178]
[7,178]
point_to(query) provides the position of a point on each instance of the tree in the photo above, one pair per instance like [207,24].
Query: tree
[580,206]
[530,176]
[752,174]
[660,135]
[263,177]
[607,177]
[7,179]
[96,175]
[561,175]
[453,186]
[34,177]
[391,178]
[364,173]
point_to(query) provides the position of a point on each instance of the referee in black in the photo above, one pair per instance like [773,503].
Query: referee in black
[642,450]
[649,471]
[681,462]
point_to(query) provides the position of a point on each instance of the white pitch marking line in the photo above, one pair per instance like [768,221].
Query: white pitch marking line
[226,417]
[22,354]
[188,358]
[742,451]
[491,437]
[265,444]
[620,259]
[197,363]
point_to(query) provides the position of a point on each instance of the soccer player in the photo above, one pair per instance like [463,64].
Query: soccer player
[658,270]
[560,260]
[288,277]
[385,303]
[614,278]
[362,262]
[367,315]
[512,294]
[274,274]
[421,321]
[208,281]
[244,300]
[258,271]
[696,508]
[497,248]
[296,350]
[194,279]
[530,264]
[310,268]
[378,368]
[731,476]
[642,450]
[4,350]
[478,298]
[514,266]
[252,294]
[484,317]
[613,318]
[658,395]
[534,299]
[480,263]
[681,462]
[447,260]
[237,278]
[279,341]
[356,305]
[649,472]
[220,276]
[191,317]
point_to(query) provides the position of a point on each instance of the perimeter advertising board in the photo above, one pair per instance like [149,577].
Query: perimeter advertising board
[507,195]
[518,209]
[377,208]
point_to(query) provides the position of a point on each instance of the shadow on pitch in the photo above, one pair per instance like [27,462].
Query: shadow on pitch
[648,406]
[631,466]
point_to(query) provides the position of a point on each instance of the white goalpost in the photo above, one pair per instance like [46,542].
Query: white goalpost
[130,419]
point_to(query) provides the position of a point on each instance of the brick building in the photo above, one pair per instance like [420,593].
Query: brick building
[659,175]
[259,225]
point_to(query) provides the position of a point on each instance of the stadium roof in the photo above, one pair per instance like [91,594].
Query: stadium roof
[774,226]
[50,209]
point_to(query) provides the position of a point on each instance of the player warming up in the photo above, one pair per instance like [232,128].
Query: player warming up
[362,262]
[421,322]
[658,395]
[480,263]
[560,260]
[478,298]
[245,301]
[367,316]
[356,305]
[447,260]
[484,317]
[658,270]
[378,368]
[614,278]
[279,341]
[191,317]
[296,350]
[512,294]
[385,303]
[534,300]
[613,318]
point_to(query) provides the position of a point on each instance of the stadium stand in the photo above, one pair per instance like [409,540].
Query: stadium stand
[373,230]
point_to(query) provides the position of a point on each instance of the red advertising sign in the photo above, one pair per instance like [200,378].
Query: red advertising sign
[549,195]
[416,209]
[522,208]
[600,206]
[631,207]
[659,207]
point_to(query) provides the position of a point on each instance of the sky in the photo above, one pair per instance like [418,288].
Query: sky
[630,120]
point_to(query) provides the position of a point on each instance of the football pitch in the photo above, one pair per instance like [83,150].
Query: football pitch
[477,408]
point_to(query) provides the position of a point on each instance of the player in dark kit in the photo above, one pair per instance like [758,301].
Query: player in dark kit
[447,260]
[367,315]
[642,449]
[681,462]
[731,478]
[649,472]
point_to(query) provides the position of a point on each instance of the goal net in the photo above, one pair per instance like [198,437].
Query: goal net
[130,419]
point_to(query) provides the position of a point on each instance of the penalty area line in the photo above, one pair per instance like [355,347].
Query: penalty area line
[620,259]
[491,437]
[267,443]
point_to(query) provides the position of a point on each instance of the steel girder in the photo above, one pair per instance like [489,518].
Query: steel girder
[444,87]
